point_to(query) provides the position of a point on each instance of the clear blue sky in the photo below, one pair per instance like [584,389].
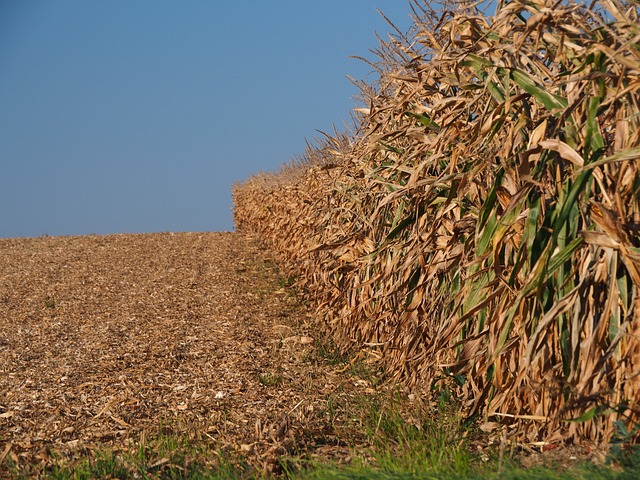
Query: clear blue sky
[121,116]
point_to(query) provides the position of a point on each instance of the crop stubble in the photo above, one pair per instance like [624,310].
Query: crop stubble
[105,337]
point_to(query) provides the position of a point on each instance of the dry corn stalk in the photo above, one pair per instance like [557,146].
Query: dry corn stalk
[481,226]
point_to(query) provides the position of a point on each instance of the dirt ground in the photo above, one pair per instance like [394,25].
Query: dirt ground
[104,339]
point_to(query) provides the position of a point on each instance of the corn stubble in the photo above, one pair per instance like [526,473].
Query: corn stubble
[480,224]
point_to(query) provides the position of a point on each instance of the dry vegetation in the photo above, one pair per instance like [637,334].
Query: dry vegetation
[479,227]
[109,342]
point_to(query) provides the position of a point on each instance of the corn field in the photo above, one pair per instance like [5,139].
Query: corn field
[478,228]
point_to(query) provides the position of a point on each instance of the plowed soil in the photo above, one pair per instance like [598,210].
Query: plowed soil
[104,339]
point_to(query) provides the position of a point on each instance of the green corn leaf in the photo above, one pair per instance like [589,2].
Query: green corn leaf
[400,227]
[494,89]
[586,416]
[550,101]
[487,235]
[593,141]
[398,215]
[390,148]
[567,203]
[591,414]
[480,65]
[531,225]
[426,121]
[476,62]
[563,256]
[542,272]
[487,207]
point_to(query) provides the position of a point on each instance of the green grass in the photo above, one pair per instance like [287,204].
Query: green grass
[402,442]
[165,456]
[270,379]
[586,472]
[424,464]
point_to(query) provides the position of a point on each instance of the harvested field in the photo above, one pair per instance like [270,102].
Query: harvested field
[104,339]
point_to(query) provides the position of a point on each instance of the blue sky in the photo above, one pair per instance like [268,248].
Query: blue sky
[123,116]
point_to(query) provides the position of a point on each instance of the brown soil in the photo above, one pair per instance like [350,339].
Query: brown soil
[106,339]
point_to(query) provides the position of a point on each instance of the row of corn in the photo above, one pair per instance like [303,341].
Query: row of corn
[479,227]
